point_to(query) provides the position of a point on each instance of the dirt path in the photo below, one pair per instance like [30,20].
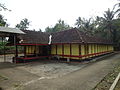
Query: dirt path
[84,79]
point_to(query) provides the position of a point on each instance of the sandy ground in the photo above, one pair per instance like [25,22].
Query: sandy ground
[15,75]
[52,75]
[45,68]
[52,69]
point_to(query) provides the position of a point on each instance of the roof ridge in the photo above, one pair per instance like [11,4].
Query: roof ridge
[62,30]
[79,34]
[38,32]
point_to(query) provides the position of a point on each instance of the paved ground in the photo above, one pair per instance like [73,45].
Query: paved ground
[85,78]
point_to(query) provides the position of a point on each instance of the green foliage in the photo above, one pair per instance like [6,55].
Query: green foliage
[2,21]
[24,24]
[49,29]
[7,48]
[87,25]
[60,25]
[3,7]
[79,22]
[107,26]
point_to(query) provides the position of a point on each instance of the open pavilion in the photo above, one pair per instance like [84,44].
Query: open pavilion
[10,32]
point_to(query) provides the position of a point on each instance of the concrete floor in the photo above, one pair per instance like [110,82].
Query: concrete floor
[55,76]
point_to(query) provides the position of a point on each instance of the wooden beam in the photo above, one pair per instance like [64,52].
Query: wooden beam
[31,44]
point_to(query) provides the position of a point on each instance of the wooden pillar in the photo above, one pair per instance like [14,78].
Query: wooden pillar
[16,49]
[3,44]
[36,50]
[91,50]
[25,51]
[62,50]
[88,50]
[79,51]
[70,50]
[94,50]
[85,50]
[56,49]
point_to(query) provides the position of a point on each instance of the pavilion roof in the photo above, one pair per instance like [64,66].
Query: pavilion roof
[76,36]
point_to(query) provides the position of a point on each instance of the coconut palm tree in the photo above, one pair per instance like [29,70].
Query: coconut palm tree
[108,20]
[23,24]
[109,25]
[86,25]
[79,22]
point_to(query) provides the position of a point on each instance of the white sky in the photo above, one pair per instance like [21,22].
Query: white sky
[43,13]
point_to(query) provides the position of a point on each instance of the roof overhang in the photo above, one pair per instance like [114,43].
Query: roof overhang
[6,31]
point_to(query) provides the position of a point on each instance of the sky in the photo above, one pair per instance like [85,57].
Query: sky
[43,13]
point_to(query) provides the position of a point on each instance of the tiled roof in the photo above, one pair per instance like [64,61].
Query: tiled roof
[10,30]
[76,36]
[34,37]
[66,36]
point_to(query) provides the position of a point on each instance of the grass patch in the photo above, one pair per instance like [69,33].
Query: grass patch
[118,86]
[1,88]
[107,81]
[16,85]
[3,77]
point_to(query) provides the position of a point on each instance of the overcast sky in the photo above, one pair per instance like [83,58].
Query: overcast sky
[43,13]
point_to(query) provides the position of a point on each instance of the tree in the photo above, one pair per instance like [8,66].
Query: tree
[3,21]
[79,22]
[60,25]
[106,24]
[109,24]
[86,25]
[3,7]
[109,27]
[117,7]
[40,30]
[49,29]
[24,23]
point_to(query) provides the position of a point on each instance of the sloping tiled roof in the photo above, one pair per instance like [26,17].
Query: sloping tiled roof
[76,36]
[10,30]
[67,36]
[34,37]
